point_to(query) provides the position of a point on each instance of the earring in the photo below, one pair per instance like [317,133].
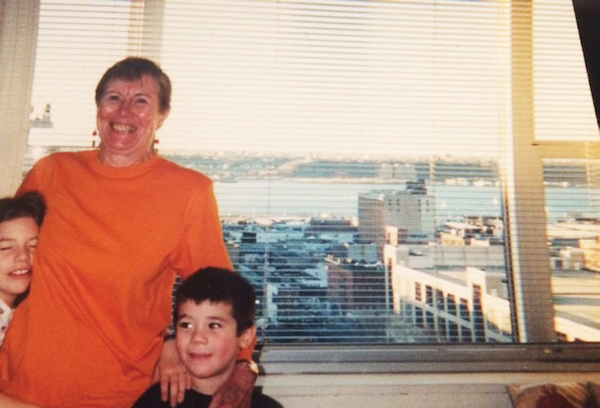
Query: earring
[94,134]
[155,149]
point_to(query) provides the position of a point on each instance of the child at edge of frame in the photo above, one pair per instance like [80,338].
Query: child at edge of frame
[20,221]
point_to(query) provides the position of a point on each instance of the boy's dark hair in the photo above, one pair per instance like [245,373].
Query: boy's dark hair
[30,205]
[132,69]
[220,286]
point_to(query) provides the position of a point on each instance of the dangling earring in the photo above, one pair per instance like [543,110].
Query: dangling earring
[94,134]
[155,149]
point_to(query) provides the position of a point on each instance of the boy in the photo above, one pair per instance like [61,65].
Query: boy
[214,320]
[20,220]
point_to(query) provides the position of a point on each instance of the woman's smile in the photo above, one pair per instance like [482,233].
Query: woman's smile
[122,128]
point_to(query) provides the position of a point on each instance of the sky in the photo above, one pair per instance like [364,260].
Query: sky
[356,79]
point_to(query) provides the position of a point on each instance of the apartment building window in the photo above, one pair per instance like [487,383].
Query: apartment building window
[429,320]
[468,126]
[439,300]
[451,301]
[478,315]
[453,332]
[429,295]
[442,329]
[466,335]
[465,312]
[419,322]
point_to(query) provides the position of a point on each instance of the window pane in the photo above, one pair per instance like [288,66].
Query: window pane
[573,197]
[341,110]
[563,98]
[77,42]
[356,147]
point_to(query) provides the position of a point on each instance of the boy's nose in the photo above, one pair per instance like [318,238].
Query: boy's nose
[199,336]
[24,255]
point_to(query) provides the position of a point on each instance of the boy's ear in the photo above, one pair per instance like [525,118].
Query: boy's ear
[247,337]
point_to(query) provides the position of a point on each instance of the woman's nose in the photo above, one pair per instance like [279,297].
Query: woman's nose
[124,109]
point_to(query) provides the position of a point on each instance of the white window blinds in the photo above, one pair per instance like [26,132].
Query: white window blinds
[358,150]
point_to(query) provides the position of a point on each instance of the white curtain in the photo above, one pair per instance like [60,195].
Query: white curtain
[18,42]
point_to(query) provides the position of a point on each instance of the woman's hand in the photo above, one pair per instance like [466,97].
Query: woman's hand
[174,378]
[237,390]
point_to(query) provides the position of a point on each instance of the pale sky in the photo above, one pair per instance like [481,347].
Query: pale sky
[346,78]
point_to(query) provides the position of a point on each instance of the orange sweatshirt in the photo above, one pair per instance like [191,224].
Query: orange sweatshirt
[91,330]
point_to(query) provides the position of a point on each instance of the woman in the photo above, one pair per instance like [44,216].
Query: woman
[121,223]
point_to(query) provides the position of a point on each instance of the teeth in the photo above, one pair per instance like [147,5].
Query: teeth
[21,272]
[123,128]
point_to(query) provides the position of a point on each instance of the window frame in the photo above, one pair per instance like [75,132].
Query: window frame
[522,168]
[428,358]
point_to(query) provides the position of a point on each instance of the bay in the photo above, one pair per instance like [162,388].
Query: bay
[335,198]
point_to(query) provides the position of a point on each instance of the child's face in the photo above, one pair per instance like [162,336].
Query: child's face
[18,239]
[207,343]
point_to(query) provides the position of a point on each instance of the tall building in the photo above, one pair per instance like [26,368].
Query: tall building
[410,210]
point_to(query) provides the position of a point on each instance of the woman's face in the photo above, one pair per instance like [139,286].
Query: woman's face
[127,118]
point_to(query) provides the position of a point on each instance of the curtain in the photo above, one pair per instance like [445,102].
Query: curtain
[18,43]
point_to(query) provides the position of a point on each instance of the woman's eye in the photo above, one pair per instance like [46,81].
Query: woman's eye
[141,101]
[112,98]
[5,248]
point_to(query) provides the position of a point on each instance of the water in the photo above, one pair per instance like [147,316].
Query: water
[292,197]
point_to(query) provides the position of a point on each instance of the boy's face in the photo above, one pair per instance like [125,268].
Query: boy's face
[207,342]
[18,239]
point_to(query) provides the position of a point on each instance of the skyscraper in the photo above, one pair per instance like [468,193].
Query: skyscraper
[410,210]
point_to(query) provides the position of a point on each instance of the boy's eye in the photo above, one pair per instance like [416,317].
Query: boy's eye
[215,325]
[184,325]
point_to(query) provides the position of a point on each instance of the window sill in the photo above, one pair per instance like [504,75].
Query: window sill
[311,359]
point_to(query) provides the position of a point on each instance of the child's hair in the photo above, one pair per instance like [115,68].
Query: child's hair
[28,205]
[220,286]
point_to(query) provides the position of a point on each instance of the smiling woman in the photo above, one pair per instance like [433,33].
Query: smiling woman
[104,240]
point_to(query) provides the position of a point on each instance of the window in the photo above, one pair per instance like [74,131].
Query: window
[465,313]
[429,295]
[451,301]
[439,299]
[323,123]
